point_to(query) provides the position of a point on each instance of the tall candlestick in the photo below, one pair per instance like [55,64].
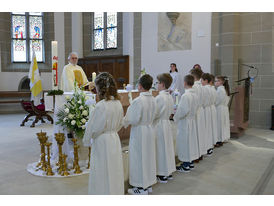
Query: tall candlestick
[54,59]
[93,76]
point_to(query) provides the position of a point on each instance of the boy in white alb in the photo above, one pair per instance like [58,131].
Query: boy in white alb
[223,122]
[165,156]
[142,156]
[186,143]
[200,117]
[213,109]
[207,108]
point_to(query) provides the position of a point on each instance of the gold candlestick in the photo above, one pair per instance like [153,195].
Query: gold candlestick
[49,169]
[42,137]
[76,157]
[89,153]
[124,86]
[60,139]
[65,168]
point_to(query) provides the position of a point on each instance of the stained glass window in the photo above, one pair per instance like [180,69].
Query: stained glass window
[98,20]
[19,27]
[35,13]
[35,27]
[27,37]
[111,30]
[111,19]
[112,37]
[98,39]
[19,50]
[37,46]
[105,30]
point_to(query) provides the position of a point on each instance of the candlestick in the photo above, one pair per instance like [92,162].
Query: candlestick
[60,138]
[93,76]
[54,59]
[89,152]
[49,169]
[65,168]
[42,137]
[76,157]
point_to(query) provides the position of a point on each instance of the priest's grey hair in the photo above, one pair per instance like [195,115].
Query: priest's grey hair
[71,53]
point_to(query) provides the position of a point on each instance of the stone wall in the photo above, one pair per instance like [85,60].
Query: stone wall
[246,38]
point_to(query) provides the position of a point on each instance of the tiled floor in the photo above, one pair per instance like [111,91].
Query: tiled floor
[241,166]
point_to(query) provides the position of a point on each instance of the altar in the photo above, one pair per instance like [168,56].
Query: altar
[60,100]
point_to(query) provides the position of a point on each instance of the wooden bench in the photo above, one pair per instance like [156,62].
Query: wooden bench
[13,94]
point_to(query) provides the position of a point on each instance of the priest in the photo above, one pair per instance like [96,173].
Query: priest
[72,72]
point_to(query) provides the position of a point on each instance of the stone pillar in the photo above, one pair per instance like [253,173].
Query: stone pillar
[77,33]
[59,36]
[137,44]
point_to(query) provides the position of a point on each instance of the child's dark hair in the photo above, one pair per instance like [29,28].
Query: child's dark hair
[189,79]
[106,86]
[224,79]
[173,64]
[212,78]
[166,79]
[197,73]
[206,76]
[146,81]
[197,66]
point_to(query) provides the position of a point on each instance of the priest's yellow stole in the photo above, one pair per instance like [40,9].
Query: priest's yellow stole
[78,77]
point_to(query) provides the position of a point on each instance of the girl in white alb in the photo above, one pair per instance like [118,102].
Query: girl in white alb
[223,122]
[106,166]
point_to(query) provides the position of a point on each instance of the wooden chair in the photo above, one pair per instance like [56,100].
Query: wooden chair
[37,111]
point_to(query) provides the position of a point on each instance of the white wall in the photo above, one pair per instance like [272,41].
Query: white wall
[158,62]
[128,21]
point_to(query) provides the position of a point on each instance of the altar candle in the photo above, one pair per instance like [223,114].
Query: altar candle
[54,60]
[93,76]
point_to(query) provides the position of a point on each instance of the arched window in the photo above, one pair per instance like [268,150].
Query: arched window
[27,35]
[104,30]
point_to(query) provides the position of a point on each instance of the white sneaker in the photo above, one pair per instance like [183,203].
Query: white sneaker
[183,169]
[149,190]
[136,191]
[162,179]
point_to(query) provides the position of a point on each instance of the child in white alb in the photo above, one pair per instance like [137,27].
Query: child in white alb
[187,143]
[142,156]
[165,155]
[223,122]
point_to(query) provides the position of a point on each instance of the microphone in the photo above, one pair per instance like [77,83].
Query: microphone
[248,66]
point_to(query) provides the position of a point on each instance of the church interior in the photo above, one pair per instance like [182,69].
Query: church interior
[238,45]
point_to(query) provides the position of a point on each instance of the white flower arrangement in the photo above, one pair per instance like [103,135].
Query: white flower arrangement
[85,113]
[73,122]
[75,113]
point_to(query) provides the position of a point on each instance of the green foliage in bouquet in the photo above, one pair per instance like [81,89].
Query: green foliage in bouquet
[75,113]
[55,92]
